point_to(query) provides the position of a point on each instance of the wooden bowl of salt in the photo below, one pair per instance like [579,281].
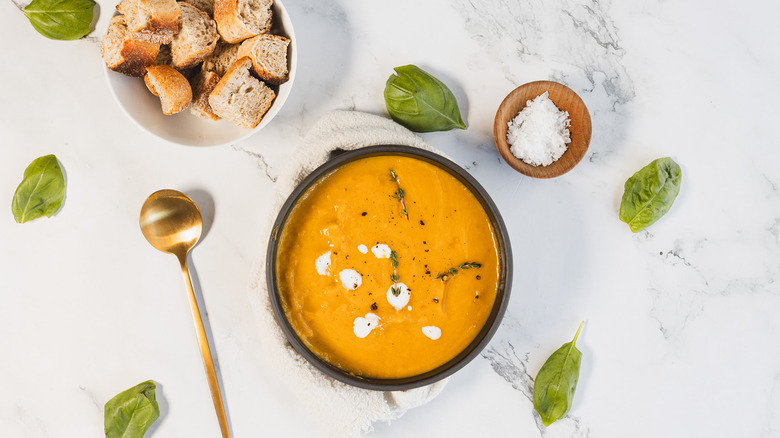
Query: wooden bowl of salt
[538,134]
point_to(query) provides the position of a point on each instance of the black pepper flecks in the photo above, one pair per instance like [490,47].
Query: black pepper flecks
[422,223]
[364,213]
[435,300]
[374,306]
[427,272]
[479,278]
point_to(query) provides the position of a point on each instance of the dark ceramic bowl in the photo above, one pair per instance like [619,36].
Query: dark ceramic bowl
[504,280]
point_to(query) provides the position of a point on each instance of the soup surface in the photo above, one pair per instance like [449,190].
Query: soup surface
[358,261]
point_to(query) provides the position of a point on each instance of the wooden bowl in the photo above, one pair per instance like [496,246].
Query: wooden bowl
[566,100]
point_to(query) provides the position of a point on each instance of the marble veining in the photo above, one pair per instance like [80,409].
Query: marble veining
[680,335]
[591,44]
[262,164]
[512,366]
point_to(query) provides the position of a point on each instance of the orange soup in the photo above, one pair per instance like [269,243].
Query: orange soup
[387,283]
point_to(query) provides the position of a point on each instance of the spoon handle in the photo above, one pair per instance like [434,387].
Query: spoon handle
[208,362]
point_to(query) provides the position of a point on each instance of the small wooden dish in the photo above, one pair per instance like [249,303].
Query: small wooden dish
[566,100]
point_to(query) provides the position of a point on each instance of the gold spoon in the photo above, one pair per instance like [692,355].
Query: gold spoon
[172,223]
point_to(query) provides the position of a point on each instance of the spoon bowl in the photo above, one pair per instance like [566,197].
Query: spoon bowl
[172,223]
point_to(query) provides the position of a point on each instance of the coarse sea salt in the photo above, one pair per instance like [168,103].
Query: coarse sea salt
[539,134]
[363,249]
[363,325]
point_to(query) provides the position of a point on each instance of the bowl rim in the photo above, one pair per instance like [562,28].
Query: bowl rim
[499,127]
[286,22]
[504,282]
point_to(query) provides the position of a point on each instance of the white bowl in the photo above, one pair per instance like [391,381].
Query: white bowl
[184,128]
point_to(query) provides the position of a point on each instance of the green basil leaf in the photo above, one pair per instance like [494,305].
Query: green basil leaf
[41,192]
[61,19]
[556,382]
[421,102]
[650,193]
[130,413]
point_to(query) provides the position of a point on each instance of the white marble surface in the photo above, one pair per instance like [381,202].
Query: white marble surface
[681,332]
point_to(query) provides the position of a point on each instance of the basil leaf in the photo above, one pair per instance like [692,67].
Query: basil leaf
[556,382]
[421,102]
[61,19]
[650,193]
[41,192]
[130,413]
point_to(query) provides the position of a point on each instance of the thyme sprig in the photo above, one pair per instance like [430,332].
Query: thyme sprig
[394,276]
[399,193]
[446,275]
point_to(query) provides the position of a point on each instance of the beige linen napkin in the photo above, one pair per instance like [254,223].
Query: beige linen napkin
[342,410]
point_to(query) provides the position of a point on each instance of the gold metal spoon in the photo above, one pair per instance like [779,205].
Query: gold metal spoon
[172,223]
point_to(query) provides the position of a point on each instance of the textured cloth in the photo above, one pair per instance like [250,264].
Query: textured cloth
[342,410]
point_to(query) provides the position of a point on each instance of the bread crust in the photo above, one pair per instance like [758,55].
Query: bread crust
[221,89]
[249,48]
[222,58]
[134,56]
[138,55]
[202,86]
[183,56]
[206,6]
[231,26]
[171,86]
[154,21]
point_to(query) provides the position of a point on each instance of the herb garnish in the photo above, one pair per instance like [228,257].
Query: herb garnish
[41,192]
[421,102]
[650,193]
[130,413]
[399,193]
[444,276]
[61,19]
[394,276]
[556,382]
